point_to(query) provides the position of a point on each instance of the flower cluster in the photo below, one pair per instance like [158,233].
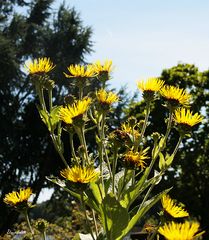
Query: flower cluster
[110,174]
[171,230]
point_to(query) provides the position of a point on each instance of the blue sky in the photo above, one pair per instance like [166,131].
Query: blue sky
[143,37]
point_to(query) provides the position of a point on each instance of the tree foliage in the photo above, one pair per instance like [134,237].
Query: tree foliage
[26,154]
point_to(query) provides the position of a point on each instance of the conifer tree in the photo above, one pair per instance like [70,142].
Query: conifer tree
[30,31]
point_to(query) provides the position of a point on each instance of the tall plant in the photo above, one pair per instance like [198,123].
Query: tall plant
[109,180]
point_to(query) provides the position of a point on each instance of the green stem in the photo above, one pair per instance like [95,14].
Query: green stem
[115,158]
[162,221]
[72,147]
[163,145]
[39,91]
[44,235]
[80,92]
[146,196]
[109,169]
[145,121]
[101,164]
[154,233]
[133,177]
[88,226]
[43,100]
[168,126]
[102,136]
[177,145]
[102,146]
[50,99]
[28,221]
[58,149]
[123,183]
[81,135]
[149,191]
[95,223]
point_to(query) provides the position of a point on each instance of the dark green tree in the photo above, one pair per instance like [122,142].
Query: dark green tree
[26,152]
[190,170]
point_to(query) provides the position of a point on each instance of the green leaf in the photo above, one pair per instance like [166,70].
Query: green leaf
[62,184]
[162,143]
[169,159]
[120,181]
[161,161]
[129,195]
[114,217]
[88,196]
[51,120]
[96,190]
[141,212]
[44,116]
[54,117]
[76,237]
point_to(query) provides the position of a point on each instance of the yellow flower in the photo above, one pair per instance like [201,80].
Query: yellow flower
[172,208]
[127,129]
[77,109]
[40,66]
[106,98]
[136,159]
[175,95]
[150,85]
[15,198]
[180,231]
[185,117]
[103,68]
[80,71]
[80,174]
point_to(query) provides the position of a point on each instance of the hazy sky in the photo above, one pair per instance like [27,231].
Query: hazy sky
[143,37]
